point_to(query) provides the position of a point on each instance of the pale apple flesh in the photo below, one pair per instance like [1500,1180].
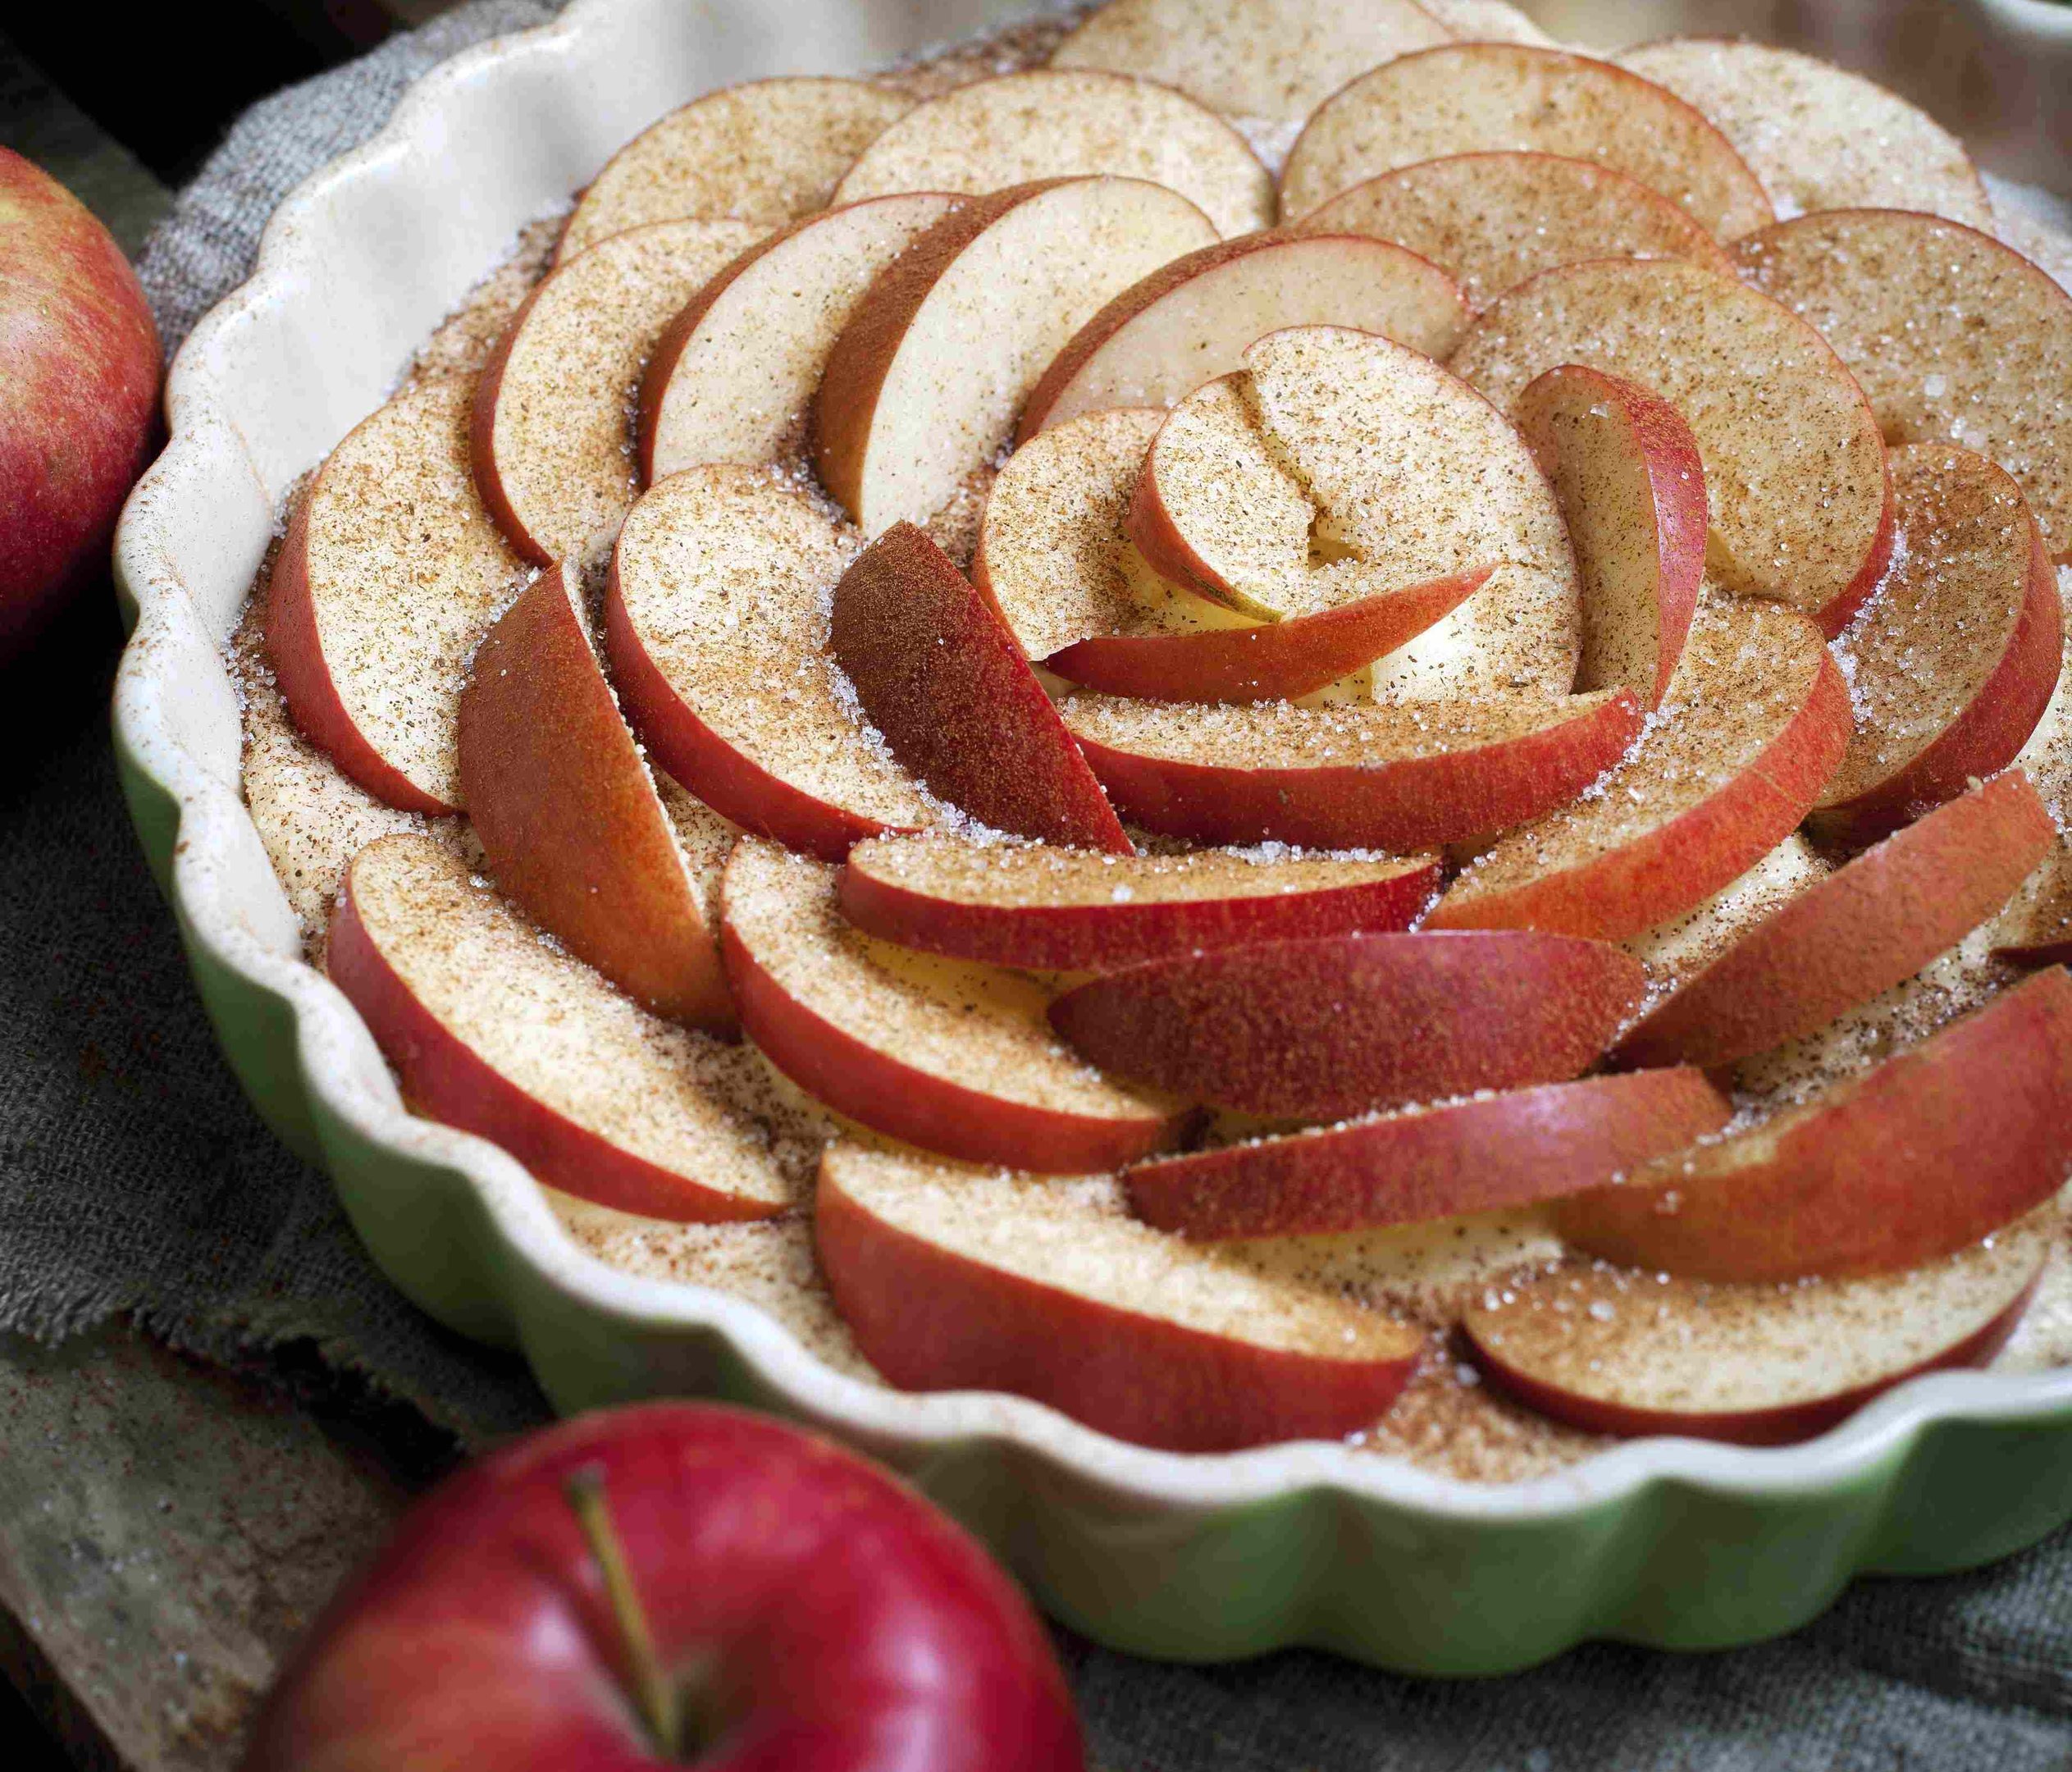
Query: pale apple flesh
[1413,1018]
[955,1279]
[1626,1352]
[1060,910]
[1927,1152]
[1488,1152]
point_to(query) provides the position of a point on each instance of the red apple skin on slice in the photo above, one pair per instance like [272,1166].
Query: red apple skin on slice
[1953,665]
[939,674]
[404,892]
[1631,485]
[1274,661]
[1069,911]
[1328,1028]
[1357,776]
[569,815]
[1632,1354]
[1753,727]
[1476,1155]
[1193,319]
[1863,930]
[1236,1364]
[1925,1153]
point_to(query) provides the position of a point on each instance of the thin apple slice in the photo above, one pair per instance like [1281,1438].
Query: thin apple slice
[732,378]
[1632,486]
[953,1057]
[1471,98]
[1515,1149]
[391,573]
[1954,337]
[1397,776]
[1054,559]
[1632,1354]
[562,802]
[1818,136]
[955,1279]
[937,672]
[716,620]
[496,1032]
[1795,467]
[1488,21]
[1339,447]
[766,152]
[1755,722]
[1250,58]
[1054,123]
[1492,220]
[922,386]
[1342,1024]
[1855,934]
[1682,946]
[1191,319]
[2036,927]
[1908,1161]
[1952,667]
[553,431]
[1066,910]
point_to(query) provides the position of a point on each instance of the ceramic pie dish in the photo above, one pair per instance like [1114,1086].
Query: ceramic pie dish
[1669,1542]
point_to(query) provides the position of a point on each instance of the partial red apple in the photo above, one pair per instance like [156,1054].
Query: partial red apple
[79,366]
[1478,1154]
[666,1584]
[1340,1024]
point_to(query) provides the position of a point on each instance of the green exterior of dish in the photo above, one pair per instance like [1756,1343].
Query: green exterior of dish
[1676,1563]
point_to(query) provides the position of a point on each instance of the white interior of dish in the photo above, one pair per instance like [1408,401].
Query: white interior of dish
[356,268]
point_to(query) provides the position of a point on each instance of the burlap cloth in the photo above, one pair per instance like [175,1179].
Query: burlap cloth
[134,1179]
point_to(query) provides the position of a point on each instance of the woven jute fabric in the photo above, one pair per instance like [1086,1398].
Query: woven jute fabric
[134,1179]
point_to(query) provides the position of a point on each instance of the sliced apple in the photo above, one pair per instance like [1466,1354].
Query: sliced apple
[1632,486]
[1055,123]
[1250,58]
[1908,1161]
[1341,1024]
[1054,558]
[1191,319]
[1856,933]
[953,1057]
[390,572]
[1471,98]
[1818,136]
[1397,776]
[922,385]
[1954,337]
[553,432]
[1492,220]
[1952,667]
[496,1032]
[1755,721]
[562,802]
[1795,467]
[955,1279]
[1422,1163]
[716,620]
[1068,910]
[734,373]
[1632,1354]
[937,672]
[766,152]
[1682,946]
[2036,927]
[1488,21]
[1337,465]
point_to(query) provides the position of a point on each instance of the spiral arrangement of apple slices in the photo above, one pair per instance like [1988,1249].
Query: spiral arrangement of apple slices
[1493,675]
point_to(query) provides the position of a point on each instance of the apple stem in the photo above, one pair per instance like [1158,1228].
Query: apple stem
[656,1692]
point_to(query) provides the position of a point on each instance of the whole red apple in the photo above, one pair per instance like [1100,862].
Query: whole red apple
[78,388]
[674,1584]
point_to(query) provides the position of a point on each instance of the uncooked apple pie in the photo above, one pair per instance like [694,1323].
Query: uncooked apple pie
[1301,721]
